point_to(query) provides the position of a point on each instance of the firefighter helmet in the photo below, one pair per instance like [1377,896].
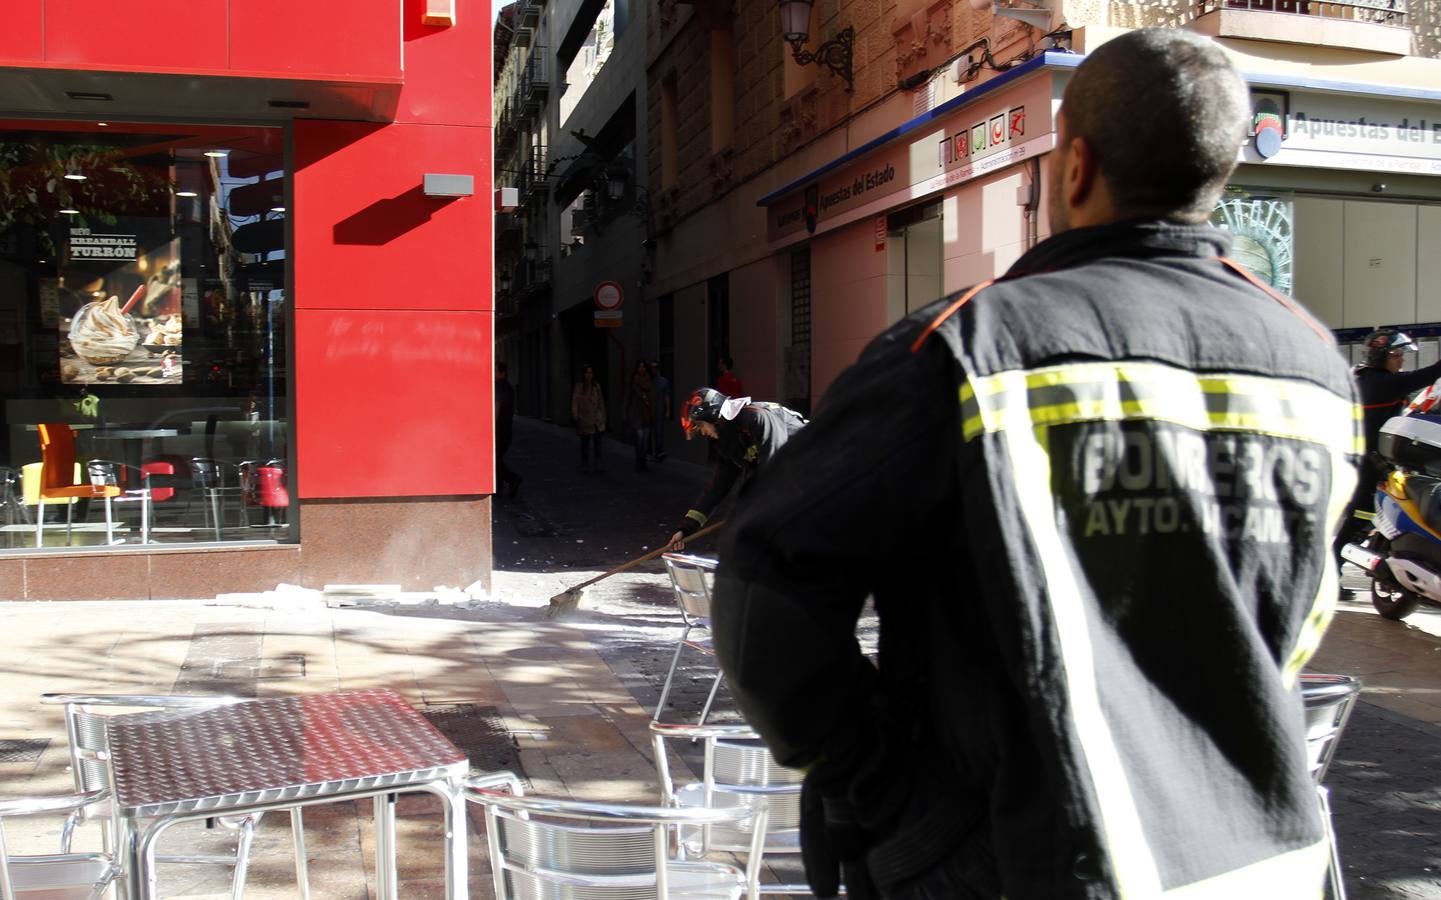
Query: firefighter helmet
[1382,342]
[703,405]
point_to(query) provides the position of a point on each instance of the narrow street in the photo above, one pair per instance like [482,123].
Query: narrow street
[566,526]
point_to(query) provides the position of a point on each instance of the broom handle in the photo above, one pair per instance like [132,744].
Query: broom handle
[651,555]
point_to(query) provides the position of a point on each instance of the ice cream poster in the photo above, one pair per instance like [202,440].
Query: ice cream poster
[123,321]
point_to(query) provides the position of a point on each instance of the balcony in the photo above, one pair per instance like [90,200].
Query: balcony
[533,275]
[1375,26]
[535,180]
[535,81]
[528,13]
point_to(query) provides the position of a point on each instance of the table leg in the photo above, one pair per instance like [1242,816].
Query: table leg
[457,876]
[302,865]
[144,859]
[387,884]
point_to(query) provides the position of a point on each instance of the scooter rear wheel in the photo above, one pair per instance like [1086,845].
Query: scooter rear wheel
[1393,601]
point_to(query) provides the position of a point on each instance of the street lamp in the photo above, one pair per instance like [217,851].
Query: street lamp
[615,181]
[834,54]
[504,281]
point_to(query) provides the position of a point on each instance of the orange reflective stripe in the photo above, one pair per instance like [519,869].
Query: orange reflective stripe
[1280,298]
[948,312]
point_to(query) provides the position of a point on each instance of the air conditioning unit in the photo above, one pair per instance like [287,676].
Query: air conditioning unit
[1040,15]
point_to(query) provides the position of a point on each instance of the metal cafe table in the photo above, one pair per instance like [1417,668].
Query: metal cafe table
[272,754]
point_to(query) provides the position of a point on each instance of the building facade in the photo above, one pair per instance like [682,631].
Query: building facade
[573,261]
[801,207]
[244,265]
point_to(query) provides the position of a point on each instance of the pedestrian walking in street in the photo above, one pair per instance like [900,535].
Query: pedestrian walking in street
[745,436]
[727,381]
[661,389]
[640,411]
[1093,502]
[587,411]
[508,479]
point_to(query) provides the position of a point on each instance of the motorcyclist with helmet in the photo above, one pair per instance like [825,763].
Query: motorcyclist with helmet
[747,434]
[1383,389]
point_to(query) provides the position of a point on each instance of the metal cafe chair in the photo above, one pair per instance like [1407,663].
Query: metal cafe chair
[1328,700]
[739,773]
[85,729]
[217,481]
[543,847]
[108,476]
[12,496]
[54,876]
[690,578]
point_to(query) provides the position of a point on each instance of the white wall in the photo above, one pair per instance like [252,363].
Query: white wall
[1361,263]
[757,299]
[1319,257]
[984,228]
[848,300]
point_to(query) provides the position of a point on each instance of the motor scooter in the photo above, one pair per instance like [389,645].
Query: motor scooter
[1403,552]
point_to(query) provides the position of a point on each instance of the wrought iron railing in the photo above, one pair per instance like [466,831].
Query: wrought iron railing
[1385,12]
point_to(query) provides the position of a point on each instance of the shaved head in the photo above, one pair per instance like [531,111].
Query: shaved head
[1163,113]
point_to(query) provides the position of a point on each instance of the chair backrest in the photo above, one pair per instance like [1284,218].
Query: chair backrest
[88,742]
[739,773]
[159,467]
[263,483]
[1328,700]
[548,848]
[690,577]
[57,455]
[207,473]
[30,482]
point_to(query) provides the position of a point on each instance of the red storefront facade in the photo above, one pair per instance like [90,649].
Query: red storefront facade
[385,311]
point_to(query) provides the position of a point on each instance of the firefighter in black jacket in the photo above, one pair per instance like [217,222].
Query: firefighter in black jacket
[1093,510]
[747,435]
[1384,389]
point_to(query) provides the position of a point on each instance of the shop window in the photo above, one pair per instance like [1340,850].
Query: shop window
[1262,234]
[143,310]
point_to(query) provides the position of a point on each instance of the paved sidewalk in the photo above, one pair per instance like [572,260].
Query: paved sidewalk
[567,701]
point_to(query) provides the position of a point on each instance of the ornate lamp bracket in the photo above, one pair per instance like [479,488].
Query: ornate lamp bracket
[834,54]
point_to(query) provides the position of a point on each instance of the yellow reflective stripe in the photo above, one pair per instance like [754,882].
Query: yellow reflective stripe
[1298,873]
[1323,605]
[1003,404]
[1120,822]
[1120,391]
[697,516]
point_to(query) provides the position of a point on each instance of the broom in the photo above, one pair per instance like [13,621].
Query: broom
[570,598]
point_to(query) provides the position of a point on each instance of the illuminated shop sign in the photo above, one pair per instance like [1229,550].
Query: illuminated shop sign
[86,245]
[1354,132]
[989,134]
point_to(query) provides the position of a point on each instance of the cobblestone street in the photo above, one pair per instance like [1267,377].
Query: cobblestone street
[566,526]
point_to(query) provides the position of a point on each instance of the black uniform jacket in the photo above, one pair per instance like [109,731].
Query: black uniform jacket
[743,445]
[1384,393]
[1093,509]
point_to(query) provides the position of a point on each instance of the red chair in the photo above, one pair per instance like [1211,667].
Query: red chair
[159,467]
[264,485]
